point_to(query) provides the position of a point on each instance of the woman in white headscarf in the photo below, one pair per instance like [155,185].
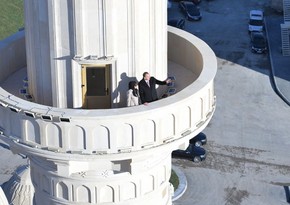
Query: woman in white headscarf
[132,94]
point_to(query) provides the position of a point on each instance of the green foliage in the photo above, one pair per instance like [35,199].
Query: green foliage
[174,180]
[11,17]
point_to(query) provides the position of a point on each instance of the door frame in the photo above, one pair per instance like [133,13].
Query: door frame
[108,85]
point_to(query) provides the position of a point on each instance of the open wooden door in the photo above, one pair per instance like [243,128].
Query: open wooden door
[96,86]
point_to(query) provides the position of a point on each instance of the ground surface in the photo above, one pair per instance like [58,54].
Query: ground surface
[11,17]
[248,158]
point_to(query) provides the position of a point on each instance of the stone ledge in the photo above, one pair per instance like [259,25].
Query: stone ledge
[182,183]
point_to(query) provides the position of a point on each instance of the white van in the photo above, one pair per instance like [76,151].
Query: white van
[256,22]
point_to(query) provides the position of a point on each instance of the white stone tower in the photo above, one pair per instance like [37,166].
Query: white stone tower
[83,145]
[118,39]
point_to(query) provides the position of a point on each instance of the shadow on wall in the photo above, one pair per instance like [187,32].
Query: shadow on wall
[119,95]
[287,192]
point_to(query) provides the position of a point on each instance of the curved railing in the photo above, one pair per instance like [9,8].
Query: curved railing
[173,119]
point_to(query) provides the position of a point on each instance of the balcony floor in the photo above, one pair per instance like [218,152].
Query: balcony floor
[183,77]
[15,82]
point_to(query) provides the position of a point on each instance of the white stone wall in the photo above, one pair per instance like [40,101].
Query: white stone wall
[133,31]
[3,199]
[137,180]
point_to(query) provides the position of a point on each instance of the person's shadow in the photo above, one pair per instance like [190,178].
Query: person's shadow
[119,95]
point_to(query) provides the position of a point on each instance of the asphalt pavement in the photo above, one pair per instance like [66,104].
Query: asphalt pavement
[248,137]
[280,64]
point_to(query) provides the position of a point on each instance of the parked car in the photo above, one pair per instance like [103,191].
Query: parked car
[198,140]
[256,21]
[178,23]
[195,153]
[190,10]
[258,42]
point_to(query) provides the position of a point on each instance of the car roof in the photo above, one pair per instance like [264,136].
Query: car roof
[199,150]
[256,14]
[258,34]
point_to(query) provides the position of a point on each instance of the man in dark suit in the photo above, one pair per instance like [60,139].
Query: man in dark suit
[147,88]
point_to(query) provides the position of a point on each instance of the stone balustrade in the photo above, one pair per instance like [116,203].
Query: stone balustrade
[122,130]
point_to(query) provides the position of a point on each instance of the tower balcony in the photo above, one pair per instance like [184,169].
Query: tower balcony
[171,121]
[111,156]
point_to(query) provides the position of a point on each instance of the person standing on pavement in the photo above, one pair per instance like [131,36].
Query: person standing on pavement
[147,88]
[133,94]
